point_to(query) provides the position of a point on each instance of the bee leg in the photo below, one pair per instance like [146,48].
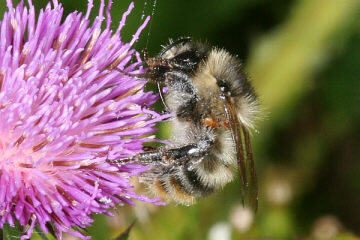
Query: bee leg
[171,156]
[176,155]
[173,171]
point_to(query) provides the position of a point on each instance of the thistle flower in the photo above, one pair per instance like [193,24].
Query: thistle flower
[64,112]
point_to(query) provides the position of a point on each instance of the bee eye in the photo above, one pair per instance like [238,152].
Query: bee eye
[185,57]
[187,60]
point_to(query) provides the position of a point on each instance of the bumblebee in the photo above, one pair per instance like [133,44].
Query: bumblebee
[213,106]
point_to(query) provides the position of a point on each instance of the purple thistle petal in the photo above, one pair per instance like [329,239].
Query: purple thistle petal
[64,112]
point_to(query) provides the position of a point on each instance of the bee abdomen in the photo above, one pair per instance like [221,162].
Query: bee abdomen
[182,187]
[195,184]
[171,189]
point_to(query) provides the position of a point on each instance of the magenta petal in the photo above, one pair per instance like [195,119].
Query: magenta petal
[64,112]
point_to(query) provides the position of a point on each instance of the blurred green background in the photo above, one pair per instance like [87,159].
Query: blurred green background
[303,57]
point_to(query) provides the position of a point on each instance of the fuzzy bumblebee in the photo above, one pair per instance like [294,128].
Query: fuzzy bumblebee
[213,106]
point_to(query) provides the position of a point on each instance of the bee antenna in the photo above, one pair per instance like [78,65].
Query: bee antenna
[171,45]
[146,55]
[161,94]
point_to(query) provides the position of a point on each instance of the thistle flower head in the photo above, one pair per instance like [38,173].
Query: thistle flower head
[64,112]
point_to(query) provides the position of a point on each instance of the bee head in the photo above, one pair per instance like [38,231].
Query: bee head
[158,67]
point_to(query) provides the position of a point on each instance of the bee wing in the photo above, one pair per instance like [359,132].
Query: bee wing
[250,168]
[246,166]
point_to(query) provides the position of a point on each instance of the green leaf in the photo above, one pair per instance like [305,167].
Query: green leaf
[126,233]
[41,233]
[11,233]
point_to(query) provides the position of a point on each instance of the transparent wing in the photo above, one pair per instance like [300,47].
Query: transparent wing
[244,156]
